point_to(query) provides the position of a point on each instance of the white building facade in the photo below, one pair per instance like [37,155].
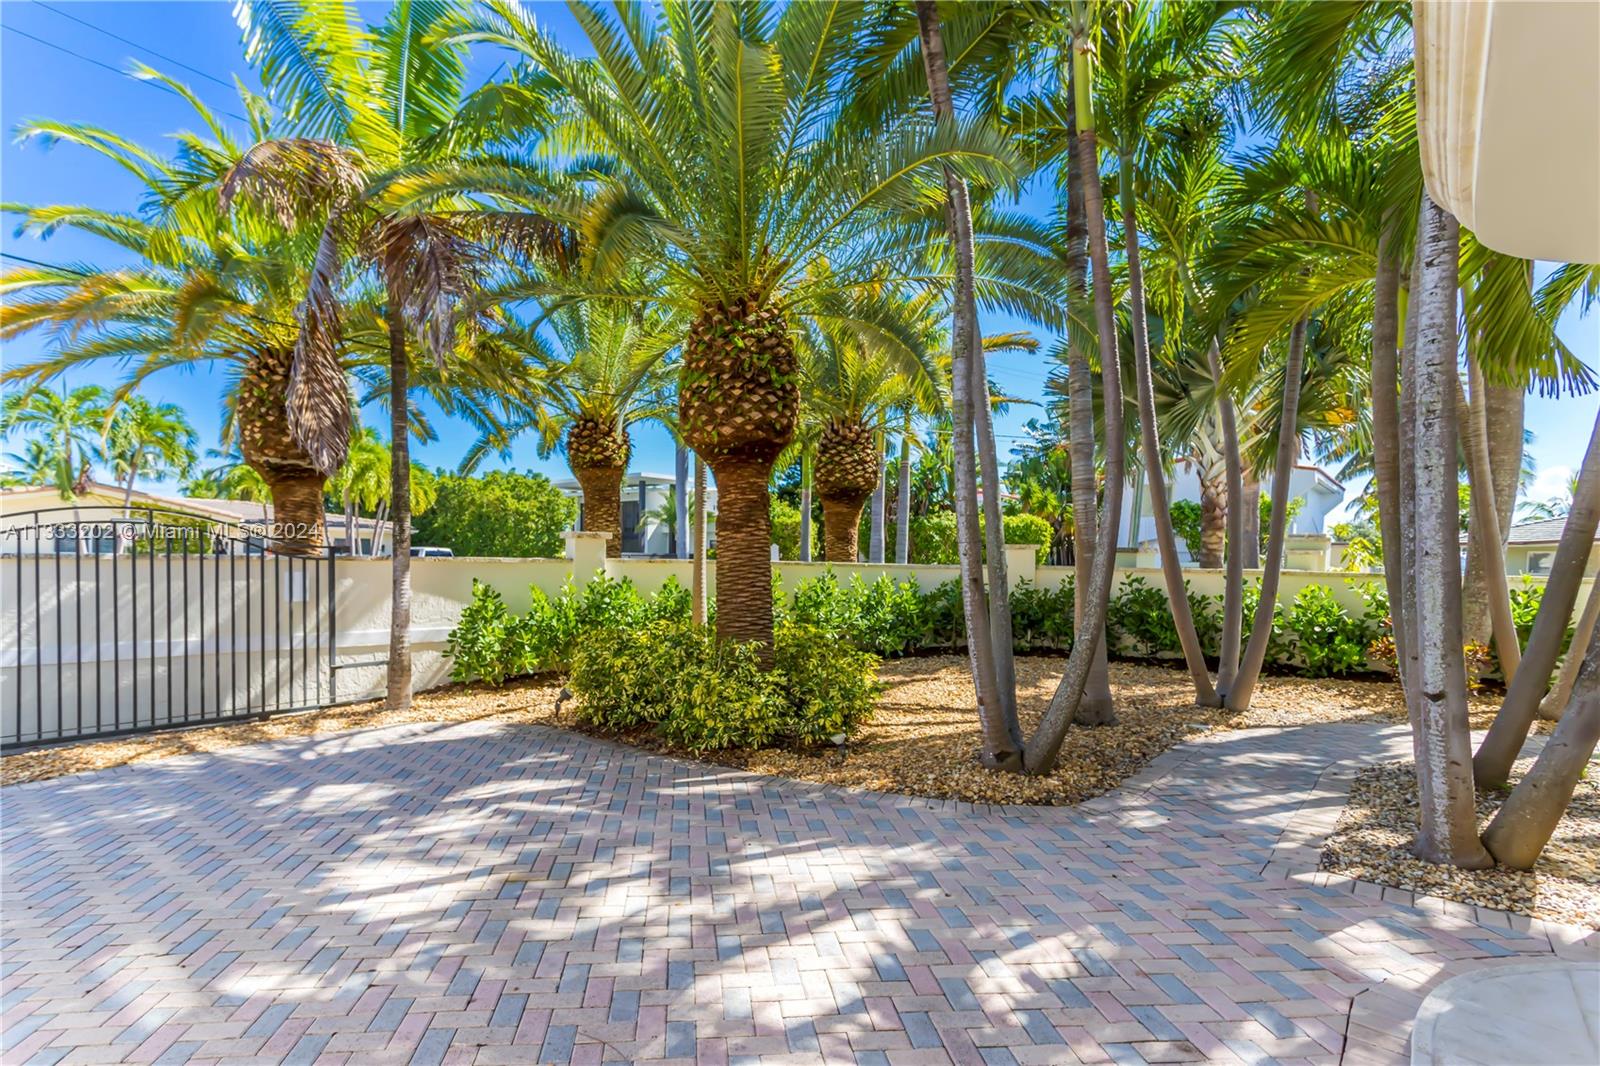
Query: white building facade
[1321,491]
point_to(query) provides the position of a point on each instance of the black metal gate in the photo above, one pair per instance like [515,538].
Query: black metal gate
[154,619]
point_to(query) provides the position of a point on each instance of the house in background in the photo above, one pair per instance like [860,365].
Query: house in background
[1321,491]
[42,505]
[643,495]
[1531,547]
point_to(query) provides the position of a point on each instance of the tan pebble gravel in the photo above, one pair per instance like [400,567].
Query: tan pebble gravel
[1373,838]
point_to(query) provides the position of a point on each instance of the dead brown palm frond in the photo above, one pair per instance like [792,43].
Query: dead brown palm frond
[427,262]
[290,177]
[522,236]
[318,402]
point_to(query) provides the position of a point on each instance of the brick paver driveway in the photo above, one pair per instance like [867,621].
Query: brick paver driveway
[493,894]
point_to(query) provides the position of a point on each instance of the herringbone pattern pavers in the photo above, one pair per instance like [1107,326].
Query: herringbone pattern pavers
[499,894]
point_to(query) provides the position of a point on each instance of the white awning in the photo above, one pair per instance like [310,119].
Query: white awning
[1508,115]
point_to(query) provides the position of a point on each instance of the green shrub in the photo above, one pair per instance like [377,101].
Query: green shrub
[498,514]
[1186,523]
[1327,640]
[1139,617]
[1029,529]
[703,695]
[476,644]
[1041,618]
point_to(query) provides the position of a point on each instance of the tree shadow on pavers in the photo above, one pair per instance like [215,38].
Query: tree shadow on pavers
[491,853]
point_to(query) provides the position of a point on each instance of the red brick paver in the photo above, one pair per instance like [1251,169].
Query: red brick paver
[500,894]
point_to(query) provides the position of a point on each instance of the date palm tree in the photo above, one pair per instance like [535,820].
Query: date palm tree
[606,372]
[745,171]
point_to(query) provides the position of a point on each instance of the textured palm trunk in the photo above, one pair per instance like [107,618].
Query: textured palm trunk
[1095,706]
[744,553]
[1252,520]
[1560,694]
[994,533]
[698,579]
[399,689]
[1486,522]
[1233,582]
[1001,734]
[875,539]
[602,503]
[1213,520]
[269,448]
[1510,727]
[1205,694]
[297,513]
[738,404]
[841,528]
[1044,747]
[902,502]
[1523,825]
[1385,383]
[1448,830]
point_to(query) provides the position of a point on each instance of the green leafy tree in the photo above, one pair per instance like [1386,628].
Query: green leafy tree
[66,426]
[152,440]
[498,514]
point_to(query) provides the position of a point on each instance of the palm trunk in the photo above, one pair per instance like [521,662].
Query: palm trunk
[1386,426]
[602,503]
[1526,820]
[1001,749]
[349,525]
[399,694]
[376,544]
[680,502]
[1486,520]
[1255,651]
[902,503]
[1252,521]
[1448,830]
[994,534]
[1213,519]
[841,528]
[1233,583]
[1095,707]
[127,494]
[297,511]
[1149,435]
[744,553]
[875,539]
[1510,727]
[805,507]
[698,580]
[1045,745]
[1555,703]
[1504,416]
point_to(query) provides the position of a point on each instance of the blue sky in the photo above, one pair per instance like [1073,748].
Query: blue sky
[40,79]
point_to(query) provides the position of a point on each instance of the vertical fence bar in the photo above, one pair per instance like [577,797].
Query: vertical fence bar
[248,626]
[216,614]
[17,675]
[38,644]
[277,626]
[99,669]
[184,558]
[167,574]
[262,570]
[116,627]
[77,627]
[333,632]
[150,550]
[60,686]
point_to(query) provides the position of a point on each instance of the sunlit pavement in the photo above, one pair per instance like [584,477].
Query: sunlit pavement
[511,894]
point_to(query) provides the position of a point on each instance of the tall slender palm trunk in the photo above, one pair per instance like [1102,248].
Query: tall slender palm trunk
[1560,694]
[1233,583]
[1510,727]
[1255,651]
[698,580]
[1525,822]
[806,464]
[877,533]
[902,501]
[1095,706]
[680,502]
[1001,734]
[1448,831]
[1149,435]
[1044,747]
[399,688]
[1385,384]
[1486,520]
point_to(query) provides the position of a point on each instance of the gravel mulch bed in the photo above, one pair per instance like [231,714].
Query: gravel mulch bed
[1373,838]
[922,741]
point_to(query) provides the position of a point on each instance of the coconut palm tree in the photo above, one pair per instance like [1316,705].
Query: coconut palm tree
[745,171]
[67,427]
[148,439]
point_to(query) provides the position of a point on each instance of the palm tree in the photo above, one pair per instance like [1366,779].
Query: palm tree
[361,484]
[67,426]
[151,440]
[372,109]
[230,478]
[605,373]
[747,174]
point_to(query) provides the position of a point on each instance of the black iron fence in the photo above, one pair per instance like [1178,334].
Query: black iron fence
[153,619]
